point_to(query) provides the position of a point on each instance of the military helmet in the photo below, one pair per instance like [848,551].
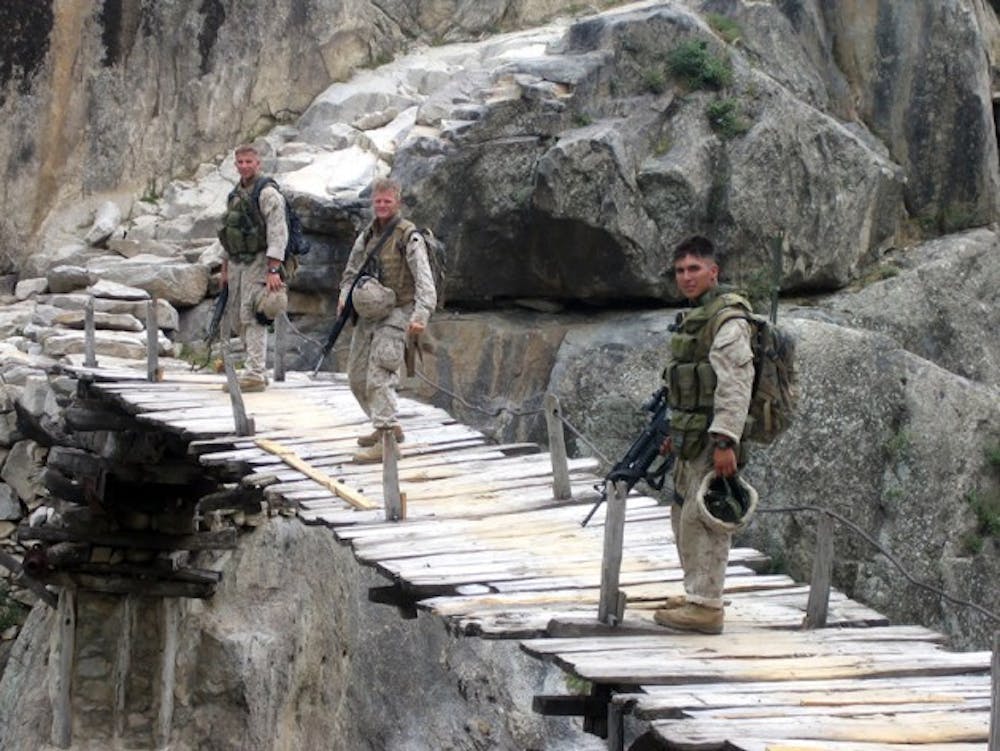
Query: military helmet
[725,504]
[372,300]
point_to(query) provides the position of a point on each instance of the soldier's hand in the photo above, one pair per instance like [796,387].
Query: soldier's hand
[667,447]
[274,282]
[416,328]
[724,461]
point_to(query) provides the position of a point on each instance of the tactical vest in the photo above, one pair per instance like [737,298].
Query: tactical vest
[244,232]
[392,269]
[689,373]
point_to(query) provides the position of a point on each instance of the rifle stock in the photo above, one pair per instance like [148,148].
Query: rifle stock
[637,464]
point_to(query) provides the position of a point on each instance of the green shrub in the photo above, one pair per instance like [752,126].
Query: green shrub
[697,67]
[654,80]
[987,509]
[725,27]
[725,116]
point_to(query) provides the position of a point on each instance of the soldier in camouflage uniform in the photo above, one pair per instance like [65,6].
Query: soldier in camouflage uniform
[255,238]
[710,377]
[378,343]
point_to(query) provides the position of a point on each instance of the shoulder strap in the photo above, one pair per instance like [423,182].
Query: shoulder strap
[733,306]
[386,234]
[259,185]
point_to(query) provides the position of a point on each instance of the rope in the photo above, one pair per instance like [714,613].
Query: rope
[482,410]
[891,558]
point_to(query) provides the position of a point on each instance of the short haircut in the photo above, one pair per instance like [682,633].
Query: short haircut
[386,185]
[246,148]
[698,246]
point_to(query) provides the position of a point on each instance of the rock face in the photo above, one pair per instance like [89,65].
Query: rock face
[90,93]
[281,658]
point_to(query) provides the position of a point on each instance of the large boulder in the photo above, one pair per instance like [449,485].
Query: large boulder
[180,283]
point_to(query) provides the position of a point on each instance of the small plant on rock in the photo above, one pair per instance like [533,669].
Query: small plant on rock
[728,29]
[654,81]
[698,67]
[725,116]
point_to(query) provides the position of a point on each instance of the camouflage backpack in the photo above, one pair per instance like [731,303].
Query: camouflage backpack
[774,396]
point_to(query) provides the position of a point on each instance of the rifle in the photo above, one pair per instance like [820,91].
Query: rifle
[348,311]
[643,452]
[338,326]
[212,330]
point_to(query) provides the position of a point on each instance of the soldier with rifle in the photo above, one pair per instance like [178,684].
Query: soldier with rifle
[709,375]
[389,284]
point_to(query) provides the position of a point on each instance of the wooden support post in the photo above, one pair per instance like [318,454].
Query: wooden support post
[244,425]
[557,448]
[89,346]
[995,708]
[822,570]
[123,664]
[152,342]
[390,478]
[612,603]
[616,726]
[280,345]
[168,670]
[60,675]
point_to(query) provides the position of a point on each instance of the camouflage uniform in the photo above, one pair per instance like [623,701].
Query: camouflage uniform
[704,552]
[247,275]
[377,347]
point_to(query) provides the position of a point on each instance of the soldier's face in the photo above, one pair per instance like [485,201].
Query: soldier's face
[695,276]
[385,205]
[247,164]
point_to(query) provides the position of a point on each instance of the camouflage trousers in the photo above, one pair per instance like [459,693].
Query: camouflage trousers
[704,552]
[374,363]
[245,285]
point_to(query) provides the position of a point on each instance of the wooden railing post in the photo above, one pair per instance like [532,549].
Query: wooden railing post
[822,570]
[995,707]
[62,646]
[243,424]
[557,449]
[152,341]
[280,345]
[89,335]
[612,604]
[394,510]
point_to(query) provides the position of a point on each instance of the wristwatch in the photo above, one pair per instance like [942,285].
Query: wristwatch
[275,270]
[723,442]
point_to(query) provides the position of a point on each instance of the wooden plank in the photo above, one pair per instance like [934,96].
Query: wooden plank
[353,497]
[918,729]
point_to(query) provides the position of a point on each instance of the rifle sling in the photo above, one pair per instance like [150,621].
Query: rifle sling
[386,234]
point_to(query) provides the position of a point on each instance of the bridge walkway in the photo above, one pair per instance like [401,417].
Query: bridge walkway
[486,547]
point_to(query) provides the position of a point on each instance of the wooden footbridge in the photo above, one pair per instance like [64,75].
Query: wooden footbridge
[486,545]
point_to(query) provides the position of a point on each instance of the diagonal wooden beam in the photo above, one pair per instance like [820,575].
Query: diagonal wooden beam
[294,461]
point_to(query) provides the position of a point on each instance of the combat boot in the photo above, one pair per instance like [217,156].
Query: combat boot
[691,617]
[248,383]
[372,454]
[369,439]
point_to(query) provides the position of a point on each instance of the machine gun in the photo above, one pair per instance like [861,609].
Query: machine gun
[637,464]
[212,330]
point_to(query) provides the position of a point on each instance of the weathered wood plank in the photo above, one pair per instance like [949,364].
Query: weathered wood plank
[912,728]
